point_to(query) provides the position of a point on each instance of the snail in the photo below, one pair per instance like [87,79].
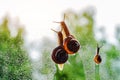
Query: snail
[59,55]
[71,45]
[97,58]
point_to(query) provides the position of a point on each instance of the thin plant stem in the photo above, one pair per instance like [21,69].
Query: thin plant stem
[97,75]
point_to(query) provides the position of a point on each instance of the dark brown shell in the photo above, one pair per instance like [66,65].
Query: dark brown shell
[59,55]
[97,59]
[71,45]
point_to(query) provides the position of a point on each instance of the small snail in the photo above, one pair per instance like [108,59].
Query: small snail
[97,57]
[71,45]
[59,55]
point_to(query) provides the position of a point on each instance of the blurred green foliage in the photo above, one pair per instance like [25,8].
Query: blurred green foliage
[14,61]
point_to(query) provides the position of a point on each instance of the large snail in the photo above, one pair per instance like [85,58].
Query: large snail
[59,55]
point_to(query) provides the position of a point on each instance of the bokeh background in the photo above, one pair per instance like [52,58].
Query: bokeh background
[26,39]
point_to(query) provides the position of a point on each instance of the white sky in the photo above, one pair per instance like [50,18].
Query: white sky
[38,15]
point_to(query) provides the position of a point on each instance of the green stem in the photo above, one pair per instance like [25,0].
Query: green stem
[97,75]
